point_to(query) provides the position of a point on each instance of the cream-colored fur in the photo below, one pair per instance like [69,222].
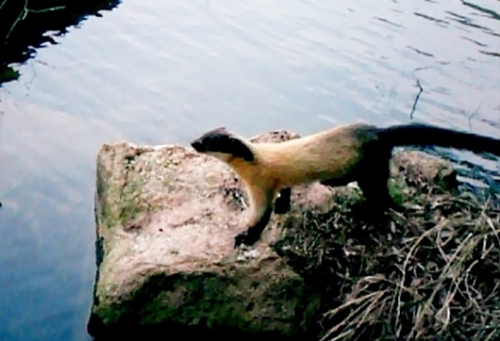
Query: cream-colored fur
[331,154]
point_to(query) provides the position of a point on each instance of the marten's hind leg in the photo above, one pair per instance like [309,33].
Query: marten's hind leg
[283,201]
[373,176]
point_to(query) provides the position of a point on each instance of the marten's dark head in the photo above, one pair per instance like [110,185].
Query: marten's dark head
[224,145]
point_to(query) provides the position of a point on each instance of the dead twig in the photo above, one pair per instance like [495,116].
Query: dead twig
[432,273]
[420,90]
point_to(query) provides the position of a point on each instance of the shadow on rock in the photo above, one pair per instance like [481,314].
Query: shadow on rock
[174,332]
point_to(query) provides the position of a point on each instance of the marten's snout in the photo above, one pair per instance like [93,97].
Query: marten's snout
[197,145]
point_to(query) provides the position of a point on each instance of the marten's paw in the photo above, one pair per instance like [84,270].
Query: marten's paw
[247,238]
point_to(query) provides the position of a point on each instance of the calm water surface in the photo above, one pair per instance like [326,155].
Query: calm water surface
[164,72]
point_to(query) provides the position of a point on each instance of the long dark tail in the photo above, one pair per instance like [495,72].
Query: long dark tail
[425,135]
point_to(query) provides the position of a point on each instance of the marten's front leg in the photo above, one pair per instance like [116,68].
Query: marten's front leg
[261,209]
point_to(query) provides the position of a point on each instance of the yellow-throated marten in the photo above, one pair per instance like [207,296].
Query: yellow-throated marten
[356,152]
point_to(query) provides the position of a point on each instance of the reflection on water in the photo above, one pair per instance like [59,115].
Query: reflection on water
[163,72]
[26,25]
[46,221]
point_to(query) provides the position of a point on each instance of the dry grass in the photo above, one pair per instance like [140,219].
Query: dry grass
[431,272]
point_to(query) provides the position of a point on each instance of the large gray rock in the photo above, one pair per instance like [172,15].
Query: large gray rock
[166,220]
